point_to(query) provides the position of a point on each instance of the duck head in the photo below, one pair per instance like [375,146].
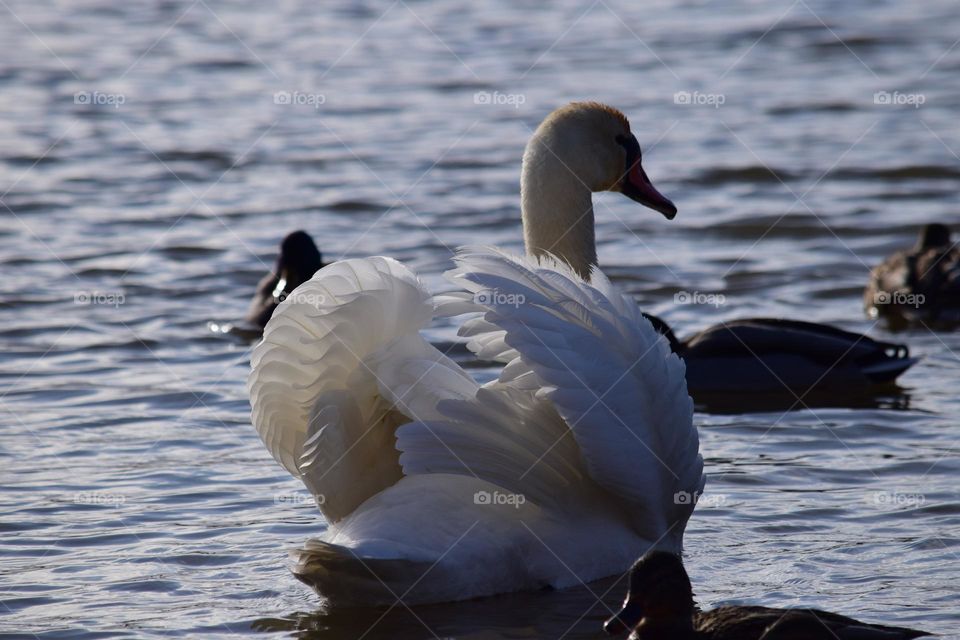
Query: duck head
[579,149]
[660,600]
[933,236]
[299,259]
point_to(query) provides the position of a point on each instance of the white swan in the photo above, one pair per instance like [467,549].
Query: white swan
[436,488]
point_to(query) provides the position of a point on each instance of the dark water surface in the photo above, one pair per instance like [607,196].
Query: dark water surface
[148,169]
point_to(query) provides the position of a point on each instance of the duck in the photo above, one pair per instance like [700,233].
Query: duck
[772,355]
[920,284]
[660,606]
[297,261]
[435,488]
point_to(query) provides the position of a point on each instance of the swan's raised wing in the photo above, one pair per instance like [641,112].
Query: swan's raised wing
[335,375]
[606,370]
[502,435]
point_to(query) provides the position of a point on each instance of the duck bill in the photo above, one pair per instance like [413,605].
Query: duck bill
[624,620]
[637,186]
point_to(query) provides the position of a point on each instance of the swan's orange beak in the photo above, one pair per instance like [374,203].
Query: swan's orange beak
[637,186]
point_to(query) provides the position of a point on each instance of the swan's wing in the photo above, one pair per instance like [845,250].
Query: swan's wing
[341,365]
[502,435]
[606,370]
[486,340]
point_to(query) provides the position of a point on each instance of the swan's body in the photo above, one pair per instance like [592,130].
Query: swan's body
[772,355]
[436,488]
[920,284]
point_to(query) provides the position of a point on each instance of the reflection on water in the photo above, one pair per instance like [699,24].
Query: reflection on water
[891,398]
[571,613]
[148,170]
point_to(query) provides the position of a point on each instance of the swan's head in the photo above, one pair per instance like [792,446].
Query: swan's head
[299,259]
[660,598]
[594,143]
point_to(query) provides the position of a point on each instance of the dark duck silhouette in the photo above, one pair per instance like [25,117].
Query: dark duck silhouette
[299,259]
[773,356]
[660,606]
[920,284]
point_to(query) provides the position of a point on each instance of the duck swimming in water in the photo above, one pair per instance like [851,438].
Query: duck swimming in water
[660,606]
[768,355]
[299,259]
[920,284]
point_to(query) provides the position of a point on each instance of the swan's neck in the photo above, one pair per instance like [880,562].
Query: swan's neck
[557,210]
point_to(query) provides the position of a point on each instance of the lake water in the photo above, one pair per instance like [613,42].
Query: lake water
[152,154]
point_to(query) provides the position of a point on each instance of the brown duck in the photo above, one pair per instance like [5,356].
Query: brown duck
[918,284]
[660,606]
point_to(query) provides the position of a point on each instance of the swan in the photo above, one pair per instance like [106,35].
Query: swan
[771,355]
[918,284]
[578,458]
[297,261]
[660,606]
